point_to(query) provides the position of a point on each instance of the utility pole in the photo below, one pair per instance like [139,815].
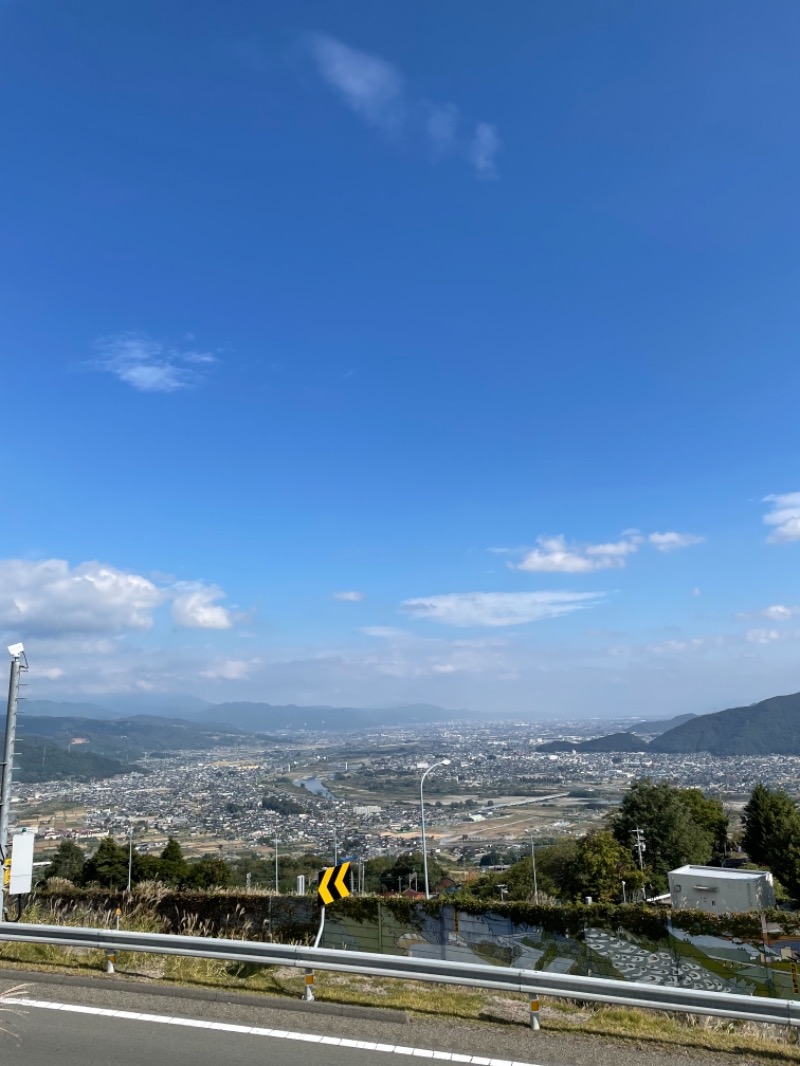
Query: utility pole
[640,846]
[18,663]
[277,875]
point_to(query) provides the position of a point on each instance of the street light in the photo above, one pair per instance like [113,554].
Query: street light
[442,762]
[533,865]
[130,855]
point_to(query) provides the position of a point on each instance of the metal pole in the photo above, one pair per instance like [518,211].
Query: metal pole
[533,864]
[130,856]
[335,849]
[277,876]
[8,763]
[624,895]
[422,819]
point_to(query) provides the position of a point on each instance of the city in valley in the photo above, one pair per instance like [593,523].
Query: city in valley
[357,794]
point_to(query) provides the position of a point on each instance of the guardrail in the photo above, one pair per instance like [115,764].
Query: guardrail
[532,983]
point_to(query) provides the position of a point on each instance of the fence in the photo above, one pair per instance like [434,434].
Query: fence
[533,984]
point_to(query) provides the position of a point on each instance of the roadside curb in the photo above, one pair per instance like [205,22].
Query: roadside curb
[117,984]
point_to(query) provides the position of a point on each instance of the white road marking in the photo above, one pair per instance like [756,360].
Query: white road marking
[255,1030]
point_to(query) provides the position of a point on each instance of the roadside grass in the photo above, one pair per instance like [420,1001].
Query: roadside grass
[421,1000]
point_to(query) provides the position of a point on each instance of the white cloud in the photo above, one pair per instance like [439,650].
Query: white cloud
[668,542]
[231,670]
[51,597]
[376,91]
[776,613]
[497,608]
[554,556]
[373,88]
[195,606]
[761,636]
[349,597]
[483,150]
[386,632]
[784,517]
[149,365]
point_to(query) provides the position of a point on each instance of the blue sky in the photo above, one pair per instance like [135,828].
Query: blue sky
[369,353]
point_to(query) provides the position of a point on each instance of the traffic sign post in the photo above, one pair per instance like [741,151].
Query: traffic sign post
[335,883]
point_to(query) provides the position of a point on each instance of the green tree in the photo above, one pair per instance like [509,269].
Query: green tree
[672,837]
[709,814]
[208,872]
[67,862]
[108,866]
[171,864]
[772,834]
[408,871]
[145,867]
[600,866]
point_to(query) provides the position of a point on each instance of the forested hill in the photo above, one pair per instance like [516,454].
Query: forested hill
[129,738]
[41,760]
[769,727]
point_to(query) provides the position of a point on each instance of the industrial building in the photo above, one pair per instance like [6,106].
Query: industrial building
[721,891]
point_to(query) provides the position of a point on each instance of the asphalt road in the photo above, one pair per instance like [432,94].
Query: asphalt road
[72,1025]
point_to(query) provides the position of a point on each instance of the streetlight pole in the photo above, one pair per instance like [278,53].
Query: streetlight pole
[442,762]
[533,867]
[130,856]
[18,662]
[624,895]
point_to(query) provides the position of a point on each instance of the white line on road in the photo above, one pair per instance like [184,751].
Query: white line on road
[254,1030]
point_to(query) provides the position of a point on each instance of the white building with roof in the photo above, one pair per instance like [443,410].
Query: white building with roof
[721,891]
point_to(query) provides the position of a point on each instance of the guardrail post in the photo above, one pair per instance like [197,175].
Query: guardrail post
[535,1013]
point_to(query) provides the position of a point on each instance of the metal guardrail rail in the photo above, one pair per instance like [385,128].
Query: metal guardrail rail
[532,983]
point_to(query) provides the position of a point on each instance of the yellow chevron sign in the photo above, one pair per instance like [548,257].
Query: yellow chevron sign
[334,883]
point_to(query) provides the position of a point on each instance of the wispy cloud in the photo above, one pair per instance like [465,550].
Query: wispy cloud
[195,606]
[498,608]
[483,150]
[349,597]
[150,365]
[376,90]
[783,517]
[670,542]
[777,612]
[554,555]
[369,85]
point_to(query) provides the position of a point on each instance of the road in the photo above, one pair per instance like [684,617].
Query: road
[73,1025]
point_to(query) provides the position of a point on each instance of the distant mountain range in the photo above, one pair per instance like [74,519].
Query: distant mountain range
[258,717]
[771,727]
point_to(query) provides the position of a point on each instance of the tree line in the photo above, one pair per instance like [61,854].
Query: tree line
[108,866]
